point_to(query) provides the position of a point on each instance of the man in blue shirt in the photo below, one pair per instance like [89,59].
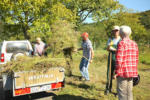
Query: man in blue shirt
[87,57]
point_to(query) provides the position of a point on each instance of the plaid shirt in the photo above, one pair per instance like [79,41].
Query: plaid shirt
[127,59]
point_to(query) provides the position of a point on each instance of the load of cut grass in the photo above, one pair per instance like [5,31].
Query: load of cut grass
[32,63]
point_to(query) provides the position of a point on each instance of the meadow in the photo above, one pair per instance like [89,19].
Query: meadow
[94,89]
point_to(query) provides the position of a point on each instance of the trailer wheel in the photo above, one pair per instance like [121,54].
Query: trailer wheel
[2,92]
[8,95]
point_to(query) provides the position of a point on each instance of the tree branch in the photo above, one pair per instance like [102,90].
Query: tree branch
[86,16]
[31,19]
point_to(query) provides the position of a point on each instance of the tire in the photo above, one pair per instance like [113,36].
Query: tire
[2,92]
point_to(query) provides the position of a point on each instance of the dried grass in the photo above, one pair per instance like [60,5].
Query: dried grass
[33,63]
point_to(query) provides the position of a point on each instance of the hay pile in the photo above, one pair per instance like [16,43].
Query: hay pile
[32,63]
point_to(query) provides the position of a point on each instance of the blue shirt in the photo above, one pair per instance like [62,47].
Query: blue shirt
[87,45]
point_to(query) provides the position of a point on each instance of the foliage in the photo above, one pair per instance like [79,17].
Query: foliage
[60,12]
[1,28]
[132,20]
[145,18]
[127,18]
[93,8]
[42,27]
[34,18]
[29,15]
[22,12]
[97,33]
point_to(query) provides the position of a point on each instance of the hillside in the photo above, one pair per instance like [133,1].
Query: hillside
[145,19]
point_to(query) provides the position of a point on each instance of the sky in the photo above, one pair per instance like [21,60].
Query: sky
[136,5]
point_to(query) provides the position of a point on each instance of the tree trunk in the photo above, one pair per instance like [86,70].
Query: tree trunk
[54,49]
[148,43]
[26,36]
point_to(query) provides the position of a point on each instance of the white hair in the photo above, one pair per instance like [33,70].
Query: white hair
[125,31]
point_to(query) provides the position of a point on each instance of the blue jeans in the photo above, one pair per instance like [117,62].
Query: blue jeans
[84,68]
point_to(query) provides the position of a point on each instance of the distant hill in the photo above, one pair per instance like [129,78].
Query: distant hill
[145,19]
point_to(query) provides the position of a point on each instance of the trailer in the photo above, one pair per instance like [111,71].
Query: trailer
[28,82]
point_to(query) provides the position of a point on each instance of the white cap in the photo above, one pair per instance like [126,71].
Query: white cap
[38,39]
[116,28]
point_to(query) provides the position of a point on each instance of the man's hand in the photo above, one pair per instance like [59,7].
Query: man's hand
[91,61]
[112,48]
[75,50]
[115,76]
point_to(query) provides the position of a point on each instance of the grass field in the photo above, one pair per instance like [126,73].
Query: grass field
[94,89]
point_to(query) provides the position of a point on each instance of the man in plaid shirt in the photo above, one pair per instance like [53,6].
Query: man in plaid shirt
[126,64]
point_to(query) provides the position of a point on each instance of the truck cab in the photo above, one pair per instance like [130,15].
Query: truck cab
[9,49]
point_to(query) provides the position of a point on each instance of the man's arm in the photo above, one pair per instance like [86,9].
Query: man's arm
[109,46]
[76,50]
[119,58]
[92,54]
[79,49]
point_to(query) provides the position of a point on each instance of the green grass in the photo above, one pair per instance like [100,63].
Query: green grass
[94,90]
[144,56]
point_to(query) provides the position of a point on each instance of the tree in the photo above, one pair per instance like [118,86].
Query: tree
[22,12]
[125,17]
[1,28]
[145,19]
[96,33]
[97,9]
[36,16]
[30,14]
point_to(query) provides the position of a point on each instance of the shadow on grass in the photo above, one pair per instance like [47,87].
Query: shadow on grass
[145,62]
[145,70]
[76,77]
[84,86]
[70,97]
[114,93]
